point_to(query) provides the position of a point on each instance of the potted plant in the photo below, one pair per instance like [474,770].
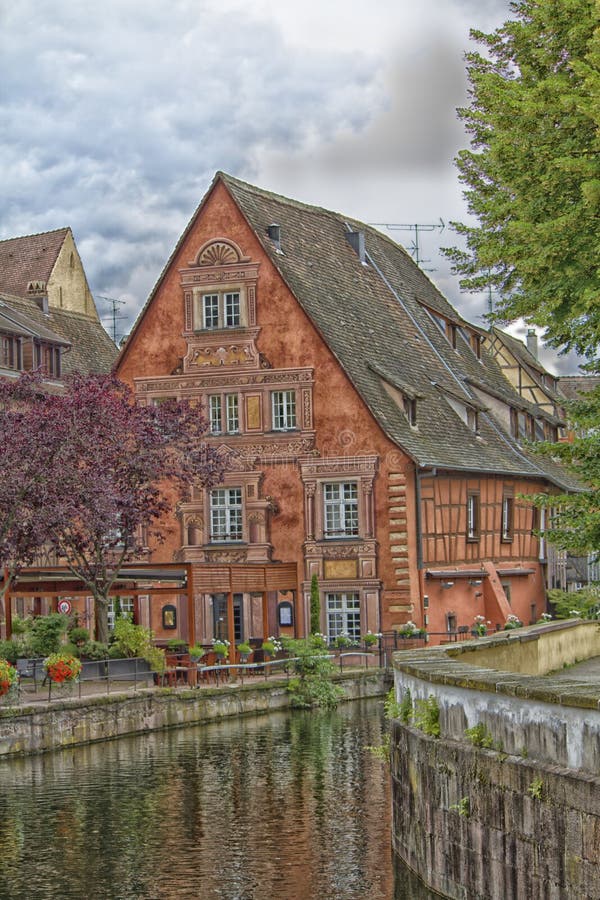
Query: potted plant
[271,646]
[196,652]
[176,645]
[479,627]
[343,641]
[8,677]
[410,630]
[244,649]
[62,667]
[512,622]
[221,648]
[369,639]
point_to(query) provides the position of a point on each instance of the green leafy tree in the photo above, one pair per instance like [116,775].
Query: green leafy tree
[315,606]
[573,523]
[312,683]
[533,171]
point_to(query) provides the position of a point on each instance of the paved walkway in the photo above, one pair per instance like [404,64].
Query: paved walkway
[589,670]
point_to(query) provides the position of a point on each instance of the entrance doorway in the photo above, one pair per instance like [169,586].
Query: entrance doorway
[220,631]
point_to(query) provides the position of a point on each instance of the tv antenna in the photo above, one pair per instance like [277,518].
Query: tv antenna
[416,228]
[114,314]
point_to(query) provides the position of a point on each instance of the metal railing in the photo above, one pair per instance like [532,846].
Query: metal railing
[105,676]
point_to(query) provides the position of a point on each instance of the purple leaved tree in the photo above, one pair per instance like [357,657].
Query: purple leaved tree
[114,471]
[29,447]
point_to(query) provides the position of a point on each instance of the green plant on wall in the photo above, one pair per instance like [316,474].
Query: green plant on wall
[427,716]
[480,736]
[315,606]
[463,807]
[391,706]
[406,707]
[536,788]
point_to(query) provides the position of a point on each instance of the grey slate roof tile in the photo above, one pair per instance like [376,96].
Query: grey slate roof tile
[91,349]
[374,317]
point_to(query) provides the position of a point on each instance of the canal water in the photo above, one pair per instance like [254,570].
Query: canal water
[291,806]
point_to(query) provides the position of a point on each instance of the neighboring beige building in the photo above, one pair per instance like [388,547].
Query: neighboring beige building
[48,318]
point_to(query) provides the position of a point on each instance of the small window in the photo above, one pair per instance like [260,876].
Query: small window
[472,419]
[210,311]
[341,509]
[11,352]
[507,518]
[284,410]
[232,412]
[410,408]
[226,514]
[473,517]
[535,519]
[232,309]
[214,414]
[476,345]
[452,334]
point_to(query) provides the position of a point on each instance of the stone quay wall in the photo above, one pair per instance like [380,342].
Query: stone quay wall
[520,819]
[66,723]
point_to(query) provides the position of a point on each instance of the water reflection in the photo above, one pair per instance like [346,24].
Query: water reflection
[280,806]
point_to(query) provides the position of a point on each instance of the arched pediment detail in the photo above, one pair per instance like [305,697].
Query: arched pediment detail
[219,252]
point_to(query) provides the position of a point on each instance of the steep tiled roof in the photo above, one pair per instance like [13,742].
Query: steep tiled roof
[374,317]
[91,349]
[29,258]
[17,322]
[573,386]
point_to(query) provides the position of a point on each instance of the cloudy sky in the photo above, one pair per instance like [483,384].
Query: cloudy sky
[116,115]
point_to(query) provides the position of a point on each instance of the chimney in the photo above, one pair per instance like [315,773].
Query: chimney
[37,291]
[274,232]
[356,239]
[532,342]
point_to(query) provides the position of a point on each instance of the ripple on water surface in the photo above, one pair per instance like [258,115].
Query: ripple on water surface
[287,806]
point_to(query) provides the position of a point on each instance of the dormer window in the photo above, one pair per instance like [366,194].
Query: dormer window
[410,408]
[473,419]
[47,358]
[12,357]
[476,343]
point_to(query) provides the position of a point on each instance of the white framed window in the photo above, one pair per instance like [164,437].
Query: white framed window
[473,517]
[232,413]
[226,514]
[506,533]
[210,311]
[126,609]
[343,615]
[340,501]
[221,310]
[232,309]
[283,410]
[214,414]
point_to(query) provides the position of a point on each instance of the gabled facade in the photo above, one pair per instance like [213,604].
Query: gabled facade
[48,318]
[366,426]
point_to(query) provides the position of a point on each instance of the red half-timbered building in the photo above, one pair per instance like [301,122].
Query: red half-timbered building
[368,432]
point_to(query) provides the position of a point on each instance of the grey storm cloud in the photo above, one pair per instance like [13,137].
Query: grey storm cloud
[118,115]
[115,116]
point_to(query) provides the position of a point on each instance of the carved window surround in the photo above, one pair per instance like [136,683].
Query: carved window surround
[254,390]
[219,267]
[195,518]
[318,472]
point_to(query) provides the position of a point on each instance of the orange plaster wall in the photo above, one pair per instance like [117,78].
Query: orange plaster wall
[288,339]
